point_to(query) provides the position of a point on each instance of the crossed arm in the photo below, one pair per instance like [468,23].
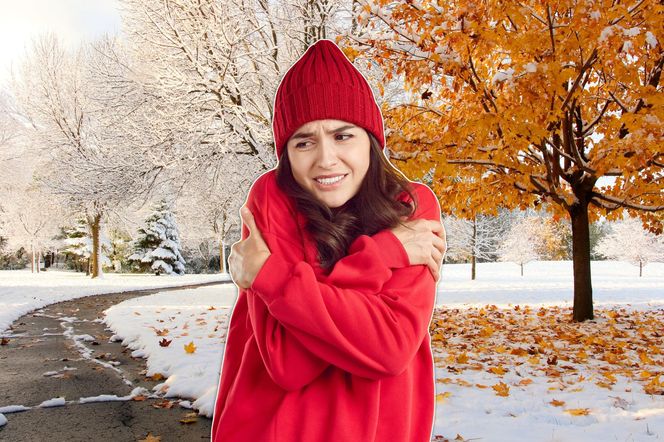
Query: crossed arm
[368,316]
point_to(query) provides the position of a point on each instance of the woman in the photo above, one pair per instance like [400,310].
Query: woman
[328,340]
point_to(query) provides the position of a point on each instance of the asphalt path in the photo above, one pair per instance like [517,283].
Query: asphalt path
[46,357]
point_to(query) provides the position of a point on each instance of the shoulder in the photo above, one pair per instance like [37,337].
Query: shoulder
[273,210]
[427,203]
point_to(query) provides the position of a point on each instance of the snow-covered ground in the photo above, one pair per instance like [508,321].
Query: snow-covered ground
[22,291]
[484,390]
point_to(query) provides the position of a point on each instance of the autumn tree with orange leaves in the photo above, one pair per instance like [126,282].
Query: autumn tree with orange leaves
[520,104]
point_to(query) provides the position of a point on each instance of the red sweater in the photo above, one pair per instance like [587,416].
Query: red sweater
[339,357]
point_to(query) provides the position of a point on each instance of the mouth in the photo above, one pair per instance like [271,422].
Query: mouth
[328,181]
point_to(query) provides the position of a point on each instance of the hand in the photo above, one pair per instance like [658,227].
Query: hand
[248,255]
[424,241]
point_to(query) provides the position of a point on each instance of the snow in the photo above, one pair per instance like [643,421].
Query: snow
[55,402]
[606,33]
[22,291]
[651,39]
[200,316]
[503,76]
[112,397]
[13,408]
[530,67]
[627,46]
[3,420]
[196,315]
[631,32]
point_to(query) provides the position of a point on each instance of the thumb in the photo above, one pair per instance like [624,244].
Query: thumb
[248,219]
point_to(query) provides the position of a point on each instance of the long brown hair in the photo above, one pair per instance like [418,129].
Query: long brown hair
[375,207]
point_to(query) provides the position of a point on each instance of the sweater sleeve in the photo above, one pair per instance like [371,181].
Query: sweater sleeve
[366,317]
[287,361]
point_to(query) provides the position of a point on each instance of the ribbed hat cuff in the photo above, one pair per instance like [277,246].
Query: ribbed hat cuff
[319,101]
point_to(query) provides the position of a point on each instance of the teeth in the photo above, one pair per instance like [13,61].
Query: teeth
[329,180]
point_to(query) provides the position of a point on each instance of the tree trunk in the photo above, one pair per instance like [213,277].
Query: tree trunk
[32,254]
[521,269]
[583,291]
[96,245]
[473,259]
[222,256]
[640,269]
[39,255]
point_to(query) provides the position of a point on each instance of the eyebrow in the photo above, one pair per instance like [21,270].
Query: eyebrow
[333,131]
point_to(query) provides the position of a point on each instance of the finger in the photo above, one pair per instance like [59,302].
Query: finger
[440,244]
[437,228]
[433,268]
[248,219]
[437,256]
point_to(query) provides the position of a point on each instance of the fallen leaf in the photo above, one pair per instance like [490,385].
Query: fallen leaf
[578,411]
[150,438]
[502,389]
[190,348]
[190,418]
[165,342]
[440,397]
[557,403]
[163,403]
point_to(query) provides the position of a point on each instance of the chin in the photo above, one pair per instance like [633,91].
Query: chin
[334,203]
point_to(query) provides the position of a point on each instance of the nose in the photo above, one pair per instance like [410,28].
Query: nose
[327,154]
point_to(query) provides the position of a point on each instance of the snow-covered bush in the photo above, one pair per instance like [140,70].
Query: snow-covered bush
[158,244]
[522,242]
[629,241]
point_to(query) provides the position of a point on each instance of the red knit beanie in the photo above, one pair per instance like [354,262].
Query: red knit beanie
[324,84]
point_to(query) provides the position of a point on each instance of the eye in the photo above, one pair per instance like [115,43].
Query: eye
[301,145]
[344,135]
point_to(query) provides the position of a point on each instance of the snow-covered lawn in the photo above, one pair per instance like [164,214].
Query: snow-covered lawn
[509,364]
[22,291]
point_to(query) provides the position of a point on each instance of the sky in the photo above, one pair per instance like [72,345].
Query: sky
[72,21]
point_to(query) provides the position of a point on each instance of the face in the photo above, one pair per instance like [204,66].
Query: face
[329,159]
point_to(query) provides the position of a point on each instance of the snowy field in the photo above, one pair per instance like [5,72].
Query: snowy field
[22,291]
[518,371]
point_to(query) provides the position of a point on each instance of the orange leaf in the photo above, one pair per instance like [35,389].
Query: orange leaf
[440,397]
[557,403]
[502,389]
[498,370]
[150,438]
[190,348]
[462,358]
[643,356]
[578,411]
[190,418]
